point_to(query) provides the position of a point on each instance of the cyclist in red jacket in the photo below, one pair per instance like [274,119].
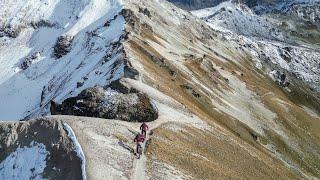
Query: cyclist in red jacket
[139,139]
[144,128]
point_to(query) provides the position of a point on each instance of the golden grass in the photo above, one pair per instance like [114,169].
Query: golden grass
[206,156]
[300,126]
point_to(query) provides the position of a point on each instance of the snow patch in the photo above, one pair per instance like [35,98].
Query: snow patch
[77,149]
[25,162]
[238,18]
[260,38]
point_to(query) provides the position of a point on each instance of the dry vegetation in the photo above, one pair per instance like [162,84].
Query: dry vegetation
[241,154]
[165,77]
[205,155]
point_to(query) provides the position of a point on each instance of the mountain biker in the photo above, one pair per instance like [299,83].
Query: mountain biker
[139,150]
[144,128]
[139,139]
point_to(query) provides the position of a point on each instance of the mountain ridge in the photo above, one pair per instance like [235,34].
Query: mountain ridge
[215,105]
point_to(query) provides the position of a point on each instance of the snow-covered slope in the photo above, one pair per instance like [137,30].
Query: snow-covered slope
[26,165]
[240,19]
[38,150]
[27,91]
[262,38]
[267,6]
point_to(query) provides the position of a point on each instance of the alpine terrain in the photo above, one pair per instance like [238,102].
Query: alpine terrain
[228,89]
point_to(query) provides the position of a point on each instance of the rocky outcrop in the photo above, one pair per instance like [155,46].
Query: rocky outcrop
[42,23]
[59,161]
[27,61]
[63,46]
[309,13]
[130,17]
[10,31]
[119,101]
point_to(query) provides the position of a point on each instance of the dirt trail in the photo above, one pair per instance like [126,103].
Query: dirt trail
[140,166]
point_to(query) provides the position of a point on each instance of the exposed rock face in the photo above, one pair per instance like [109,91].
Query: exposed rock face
[10,31]
[130,17]
[61,161]
[309,13]
[122,86]
[42,23]
[62,46]
[27,62]
[121,102]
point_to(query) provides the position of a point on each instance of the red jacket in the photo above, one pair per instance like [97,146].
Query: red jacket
[139,138]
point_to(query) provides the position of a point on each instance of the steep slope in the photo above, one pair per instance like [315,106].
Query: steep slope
[205,70]
[263,39]
[31,65]
[38,150]
[215,106]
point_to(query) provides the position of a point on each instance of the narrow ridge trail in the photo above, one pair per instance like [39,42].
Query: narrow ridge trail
[140,165]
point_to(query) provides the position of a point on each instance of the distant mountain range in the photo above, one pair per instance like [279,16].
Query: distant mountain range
[271,4]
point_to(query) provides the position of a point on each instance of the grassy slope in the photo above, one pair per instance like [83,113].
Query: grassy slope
[240,145]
